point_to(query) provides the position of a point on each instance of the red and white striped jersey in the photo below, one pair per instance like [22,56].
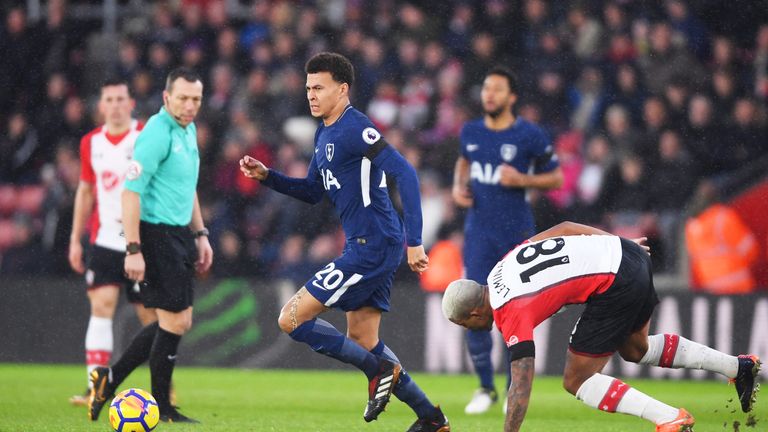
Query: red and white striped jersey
[104,161]
[535,279]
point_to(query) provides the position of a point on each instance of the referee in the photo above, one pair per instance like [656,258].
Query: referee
[165,240]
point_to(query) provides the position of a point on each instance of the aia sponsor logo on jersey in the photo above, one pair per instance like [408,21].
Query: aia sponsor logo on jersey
[110,180]
[512,341]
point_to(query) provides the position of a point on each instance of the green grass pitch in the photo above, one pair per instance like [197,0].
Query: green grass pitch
[34,398]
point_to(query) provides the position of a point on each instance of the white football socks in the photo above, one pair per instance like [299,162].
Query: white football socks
[98,343]
[612,395]
[673,351]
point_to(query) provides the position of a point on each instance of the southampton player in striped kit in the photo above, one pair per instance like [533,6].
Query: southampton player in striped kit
[105,154]
[578,264]
[349,166]
[502,156]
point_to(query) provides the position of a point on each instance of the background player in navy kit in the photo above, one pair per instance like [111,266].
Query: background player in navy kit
[349,165]
[578,264]
[490,179]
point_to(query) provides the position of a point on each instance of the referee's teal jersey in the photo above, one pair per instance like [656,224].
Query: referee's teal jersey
[164,170]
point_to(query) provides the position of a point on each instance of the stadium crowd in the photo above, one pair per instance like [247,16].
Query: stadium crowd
[643,101]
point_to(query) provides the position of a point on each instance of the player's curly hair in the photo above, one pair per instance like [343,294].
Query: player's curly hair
[337,65]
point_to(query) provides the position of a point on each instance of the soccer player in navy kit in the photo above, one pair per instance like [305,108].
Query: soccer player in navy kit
[350,165]
[490,179]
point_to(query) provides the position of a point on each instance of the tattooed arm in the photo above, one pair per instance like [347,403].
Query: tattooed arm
[519,393]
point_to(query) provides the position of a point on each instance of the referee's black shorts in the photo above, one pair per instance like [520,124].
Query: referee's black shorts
[169,254]
[621,310]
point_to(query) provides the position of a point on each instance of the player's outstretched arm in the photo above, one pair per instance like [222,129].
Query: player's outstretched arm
[309,189]
[519,393]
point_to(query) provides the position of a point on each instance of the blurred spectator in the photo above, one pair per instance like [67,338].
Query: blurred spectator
[128,59]
[61,177]
[673,181]
[705,140]
[231,261]
[693,30]
[383,110]
[654,121]
[18,70]
[50,115]
[588,100]
[584,32]
[748,135]
[629,92]
[625,190]
[721,248]
[665,61]
[761,63]
[445,263]
[619,131]
[598,160]
[20,147]
[724,93]
[26,255]
[146,99]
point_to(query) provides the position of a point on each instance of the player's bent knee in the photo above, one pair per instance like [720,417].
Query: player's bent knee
[572,383]
[103,308]
[631,355]
[287,325]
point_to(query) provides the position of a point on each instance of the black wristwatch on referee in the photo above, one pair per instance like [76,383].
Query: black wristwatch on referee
[201,233]
[133,248]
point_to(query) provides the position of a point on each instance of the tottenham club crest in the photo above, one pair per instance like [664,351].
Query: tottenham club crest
[508,152]
[329,151]
[371,135]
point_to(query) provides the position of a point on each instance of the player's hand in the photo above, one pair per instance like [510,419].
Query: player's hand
[509,176]
[134,267]
[253,168]
[204,254]
[641,241]
[417,258]
[462,196]
[76,256]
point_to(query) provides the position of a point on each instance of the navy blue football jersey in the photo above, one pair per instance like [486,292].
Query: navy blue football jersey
[526,147]
[356,187]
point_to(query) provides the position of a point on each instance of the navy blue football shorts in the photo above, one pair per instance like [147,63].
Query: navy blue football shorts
[361,276]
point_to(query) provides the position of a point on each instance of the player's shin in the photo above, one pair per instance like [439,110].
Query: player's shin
[673,351]
[324,338]
[612,395]
[406,389]
[98,343]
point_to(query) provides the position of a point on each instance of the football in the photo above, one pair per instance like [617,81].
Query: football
[133,410]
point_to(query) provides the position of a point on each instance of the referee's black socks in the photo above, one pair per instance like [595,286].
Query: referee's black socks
[162,359]
[136,354]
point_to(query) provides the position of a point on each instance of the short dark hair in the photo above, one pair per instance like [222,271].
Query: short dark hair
[337,65]
[506,73]
[181,72]
[116,81]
